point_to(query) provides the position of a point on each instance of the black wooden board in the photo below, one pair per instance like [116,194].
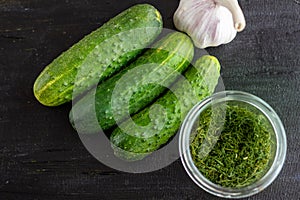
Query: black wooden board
[42,157]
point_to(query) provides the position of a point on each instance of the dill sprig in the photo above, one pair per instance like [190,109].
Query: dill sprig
[236,154]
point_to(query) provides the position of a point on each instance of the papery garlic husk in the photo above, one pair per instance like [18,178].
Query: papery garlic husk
[209,23]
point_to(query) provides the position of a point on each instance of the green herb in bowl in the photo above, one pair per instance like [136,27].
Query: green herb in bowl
[232,144]
[240,150]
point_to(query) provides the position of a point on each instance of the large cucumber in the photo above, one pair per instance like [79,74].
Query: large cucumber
[98,55]
[141,82]
[131,142]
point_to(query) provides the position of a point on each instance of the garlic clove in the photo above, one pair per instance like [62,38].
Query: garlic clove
[209,22]
[236,11]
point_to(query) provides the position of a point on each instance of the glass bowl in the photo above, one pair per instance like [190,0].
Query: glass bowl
[278,144]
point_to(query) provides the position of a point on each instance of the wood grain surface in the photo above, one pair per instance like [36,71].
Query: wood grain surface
[42,157]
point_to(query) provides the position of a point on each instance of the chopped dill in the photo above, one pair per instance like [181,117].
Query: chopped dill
[236,152]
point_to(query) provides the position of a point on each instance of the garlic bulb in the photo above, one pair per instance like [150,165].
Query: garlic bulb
[209,22]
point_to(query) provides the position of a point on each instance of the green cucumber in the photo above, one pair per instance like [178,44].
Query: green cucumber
[137,83]
[98,55]
[155,128]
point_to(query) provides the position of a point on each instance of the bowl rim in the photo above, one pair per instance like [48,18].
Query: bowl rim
[207,185]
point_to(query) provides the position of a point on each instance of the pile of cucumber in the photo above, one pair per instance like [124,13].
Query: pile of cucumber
[131,99]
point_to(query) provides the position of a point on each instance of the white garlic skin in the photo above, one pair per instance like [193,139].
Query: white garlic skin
[206,22]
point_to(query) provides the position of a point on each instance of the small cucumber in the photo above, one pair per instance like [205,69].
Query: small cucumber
[131,142]
[98,55]
[163,63]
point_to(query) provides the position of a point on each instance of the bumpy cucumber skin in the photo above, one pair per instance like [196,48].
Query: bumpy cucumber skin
[135,147]
[98,54]
[174,51]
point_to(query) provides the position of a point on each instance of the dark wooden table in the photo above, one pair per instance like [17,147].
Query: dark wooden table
[42,157]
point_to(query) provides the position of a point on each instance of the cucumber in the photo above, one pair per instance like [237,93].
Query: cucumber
[98,55]
[131,142]
[161,64]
